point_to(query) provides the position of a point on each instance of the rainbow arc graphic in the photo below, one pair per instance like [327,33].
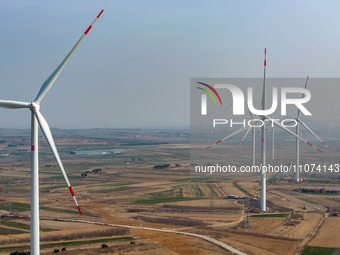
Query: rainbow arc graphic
[204,97]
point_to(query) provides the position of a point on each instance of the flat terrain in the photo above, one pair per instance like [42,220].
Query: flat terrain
[328,235]
[148,185]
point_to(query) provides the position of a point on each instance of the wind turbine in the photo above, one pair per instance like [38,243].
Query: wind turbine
[36,117]
[253,138]
[263,119]
[298,122]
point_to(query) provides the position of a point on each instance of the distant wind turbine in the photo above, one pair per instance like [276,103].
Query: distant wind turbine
[331,118]
[34,106]
[298,122]
[264,119]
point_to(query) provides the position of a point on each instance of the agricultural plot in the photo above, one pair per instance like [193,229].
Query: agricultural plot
[10,231]
[325,200]
[251,187]
[253,244]
[312,250]
[230,189]
[136,194]
[263,225]
[183,192]
[328,235]
[191,190]
[296,228]
[293,201]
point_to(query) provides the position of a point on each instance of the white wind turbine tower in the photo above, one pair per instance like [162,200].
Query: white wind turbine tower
[253,159]
[273,143]
[298,122]
[36,116]
[330,119]
[263,119]
[254,137]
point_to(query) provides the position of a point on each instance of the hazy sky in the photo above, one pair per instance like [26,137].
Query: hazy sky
[134,67]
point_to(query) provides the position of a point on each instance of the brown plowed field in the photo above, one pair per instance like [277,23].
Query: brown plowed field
[328,235]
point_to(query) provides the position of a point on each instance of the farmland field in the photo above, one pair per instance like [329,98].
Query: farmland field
[129,190]
[328,235]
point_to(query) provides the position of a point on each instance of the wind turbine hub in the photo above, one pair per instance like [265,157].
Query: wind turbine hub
[34,106]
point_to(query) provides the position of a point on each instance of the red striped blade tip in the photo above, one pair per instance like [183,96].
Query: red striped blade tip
[87,30]
[100,13]
[319,150]
[79,210]
[218,141]
[71,191]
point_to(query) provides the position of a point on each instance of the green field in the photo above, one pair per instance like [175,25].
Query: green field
[121,188]
[15,206]
[75,211]
[10,223]
[9,231]
[322,181]
[311,250]
[23,207]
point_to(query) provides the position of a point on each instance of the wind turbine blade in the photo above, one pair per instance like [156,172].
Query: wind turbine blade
[303,124]
[51,79]
[13,104]
[292,133]
[228,136]
[290,122]
[47,132]
[264,97]
[244,136]
[303,95]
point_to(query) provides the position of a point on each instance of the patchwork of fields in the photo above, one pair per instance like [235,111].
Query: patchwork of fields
[130,191]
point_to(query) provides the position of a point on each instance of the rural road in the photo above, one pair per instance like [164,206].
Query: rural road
[209,239]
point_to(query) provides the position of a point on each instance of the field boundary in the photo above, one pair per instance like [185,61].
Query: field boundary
[310,236]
